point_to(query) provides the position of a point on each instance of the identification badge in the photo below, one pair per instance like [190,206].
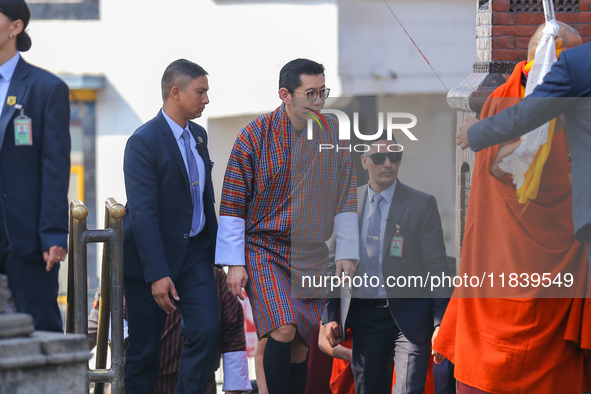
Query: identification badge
[23,131]
[396,244]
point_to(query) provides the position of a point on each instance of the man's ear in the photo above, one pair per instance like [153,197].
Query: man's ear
[364,161]
[175,93]
[285,96]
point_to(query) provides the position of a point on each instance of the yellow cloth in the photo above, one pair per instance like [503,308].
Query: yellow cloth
[531,185]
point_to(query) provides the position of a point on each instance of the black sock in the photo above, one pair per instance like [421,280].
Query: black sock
[298,377]
[276,363]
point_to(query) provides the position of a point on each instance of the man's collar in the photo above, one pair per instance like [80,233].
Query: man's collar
[386,194]
[282,118]
[177,130]
[7,69]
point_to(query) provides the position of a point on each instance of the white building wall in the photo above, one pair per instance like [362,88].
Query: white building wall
[371,39]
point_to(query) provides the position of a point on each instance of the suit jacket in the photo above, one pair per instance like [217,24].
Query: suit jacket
[416,311]
[159,205]
[34,179]
[566,89]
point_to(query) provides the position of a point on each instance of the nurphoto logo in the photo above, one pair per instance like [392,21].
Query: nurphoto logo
[393,122]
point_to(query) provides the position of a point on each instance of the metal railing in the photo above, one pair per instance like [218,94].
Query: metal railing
[111,301]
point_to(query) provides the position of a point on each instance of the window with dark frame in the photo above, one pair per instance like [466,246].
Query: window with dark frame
[64,9]
[536,6]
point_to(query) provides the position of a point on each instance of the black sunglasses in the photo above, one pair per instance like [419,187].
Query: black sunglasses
[380,158]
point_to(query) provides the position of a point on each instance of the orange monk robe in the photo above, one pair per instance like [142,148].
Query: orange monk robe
[343,382]
[519,345]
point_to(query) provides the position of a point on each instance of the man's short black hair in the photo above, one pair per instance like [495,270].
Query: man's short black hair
[290,76]
[180,73]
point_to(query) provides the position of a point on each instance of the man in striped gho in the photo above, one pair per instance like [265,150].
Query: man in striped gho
[281,200]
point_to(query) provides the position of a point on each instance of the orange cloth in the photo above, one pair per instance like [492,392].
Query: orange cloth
[519,345]
[343,382]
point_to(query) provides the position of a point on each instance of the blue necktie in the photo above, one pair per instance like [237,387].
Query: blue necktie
[372,245]
[193,182]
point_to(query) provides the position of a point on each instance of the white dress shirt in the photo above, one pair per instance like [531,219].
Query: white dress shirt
[368,210]
[177,131]
[6,73]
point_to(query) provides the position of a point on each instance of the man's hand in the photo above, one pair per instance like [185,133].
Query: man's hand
[160,290]
[462,135]
[53,255]
[236,280]
[437,357]
[333,333]
[345,266]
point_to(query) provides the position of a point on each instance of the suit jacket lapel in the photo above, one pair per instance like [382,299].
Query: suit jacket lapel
[18,88]
[200,149]
[173,146]
[396,209]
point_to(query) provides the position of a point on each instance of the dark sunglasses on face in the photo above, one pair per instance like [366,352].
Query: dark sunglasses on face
[380,158]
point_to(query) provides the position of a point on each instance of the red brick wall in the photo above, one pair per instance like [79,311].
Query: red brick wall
[511,31]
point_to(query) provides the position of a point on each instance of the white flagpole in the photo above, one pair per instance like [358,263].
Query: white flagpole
[549,10]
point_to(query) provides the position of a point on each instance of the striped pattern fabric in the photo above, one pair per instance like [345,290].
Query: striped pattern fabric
[231,334]
[288,194]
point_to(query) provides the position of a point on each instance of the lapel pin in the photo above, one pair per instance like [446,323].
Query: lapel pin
[11,100]
[200,140]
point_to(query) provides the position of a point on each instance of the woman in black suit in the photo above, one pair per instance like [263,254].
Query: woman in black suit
[34,172]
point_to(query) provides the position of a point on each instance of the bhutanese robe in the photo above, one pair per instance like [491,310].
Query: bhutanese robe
[519,345]
[280,199]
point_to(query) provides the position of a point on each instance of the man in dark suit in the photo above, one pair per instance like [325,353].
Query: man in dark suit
[34,172]
[169,235]
[400,237]
[566,90]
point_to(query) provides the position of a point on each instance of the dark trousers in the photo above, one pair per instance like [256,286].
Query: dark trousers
[377,343]
[35,291]
[199,307]
[443,378]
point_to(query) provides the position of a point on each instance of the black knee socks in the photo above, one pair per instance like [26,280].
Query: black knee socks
[277,362]
[298,377]
[281,375]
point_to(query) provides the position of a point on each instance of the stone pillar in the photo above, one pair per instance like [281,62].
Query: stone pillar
[38,362]
[503,30]
[13,324]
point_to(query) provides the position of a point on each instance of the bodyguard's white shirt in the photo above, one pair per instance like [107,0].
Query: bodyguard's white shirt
[6,73]
[177,131]
[385,204]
